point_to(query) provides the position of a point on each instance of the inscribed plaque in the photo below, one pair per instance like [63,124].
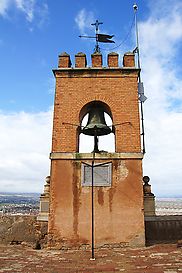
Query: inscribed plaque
[102,175]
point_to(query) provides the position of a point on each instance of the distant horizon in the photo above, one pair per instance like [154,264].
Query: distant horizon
[39,193]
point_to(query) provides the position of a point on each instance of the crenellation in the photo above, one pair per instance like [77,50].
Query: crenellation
[96,61]
[112,59]
[129,59]
[64,60]
[80,60]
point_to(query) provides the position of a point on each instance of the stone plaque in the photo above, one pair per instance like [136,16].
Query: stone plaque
[102,175]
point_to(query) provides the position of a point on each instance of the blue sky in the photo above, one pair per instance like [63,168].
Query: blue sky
[32,35]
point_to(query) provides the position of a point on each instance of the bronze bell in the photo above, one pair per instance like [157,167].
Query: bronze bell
[96,124]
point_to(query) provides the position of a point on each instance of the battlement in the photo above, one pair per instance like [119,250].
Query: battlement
[96,60]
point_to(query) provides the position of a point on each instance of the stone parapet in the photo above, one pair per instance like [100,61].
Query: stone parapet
[163,229]
[44,202]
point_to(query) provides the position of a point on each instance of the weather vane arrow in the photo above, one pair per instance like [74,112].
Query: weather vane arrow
[99,38]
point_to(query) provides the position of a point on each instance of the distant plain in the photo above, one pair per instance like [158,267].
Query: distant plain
[28,203]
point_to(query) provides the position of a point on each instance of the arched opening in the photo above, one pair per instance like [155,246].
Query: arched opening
[105,142]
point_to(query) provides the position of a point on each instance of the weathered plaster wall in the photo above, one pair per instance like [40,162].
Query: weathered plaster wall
[118,209]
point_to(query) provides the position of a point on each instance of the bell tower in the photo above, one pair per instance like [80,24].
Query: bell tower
[115,187]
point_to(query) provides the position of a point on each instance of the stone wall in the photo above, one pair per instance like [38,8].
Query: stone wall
[16,229]
[26,229]
[163,229]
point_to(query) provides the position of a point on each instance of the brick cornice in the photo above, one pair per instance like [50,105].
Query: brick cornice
[84,156]
[95,71]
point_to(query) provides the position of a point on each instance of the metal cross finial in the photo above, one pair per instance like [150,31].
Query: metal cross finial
[96,24]
[102,38]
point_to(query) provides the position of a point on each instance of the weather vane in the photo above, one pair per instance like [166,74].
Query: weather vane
[102,38]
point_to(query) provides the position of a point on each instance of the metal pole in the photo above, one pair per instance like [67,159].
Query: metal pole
[97,42]
[143,132]
[138,53]
[93,237]
[137,39]
[93,256]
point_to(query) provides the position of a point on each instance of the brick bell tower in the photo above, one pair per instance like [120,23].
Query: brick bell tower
[118,188]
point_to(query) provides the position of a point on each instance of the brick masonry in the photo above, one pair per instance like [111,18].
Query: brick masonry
[117,87]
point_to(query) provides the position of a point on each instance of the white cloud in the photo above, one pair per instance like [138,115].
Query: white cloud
[42,13]
[31,9]
[160,40]
[25,144]
[27,7]
[84,19]
[4,5]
